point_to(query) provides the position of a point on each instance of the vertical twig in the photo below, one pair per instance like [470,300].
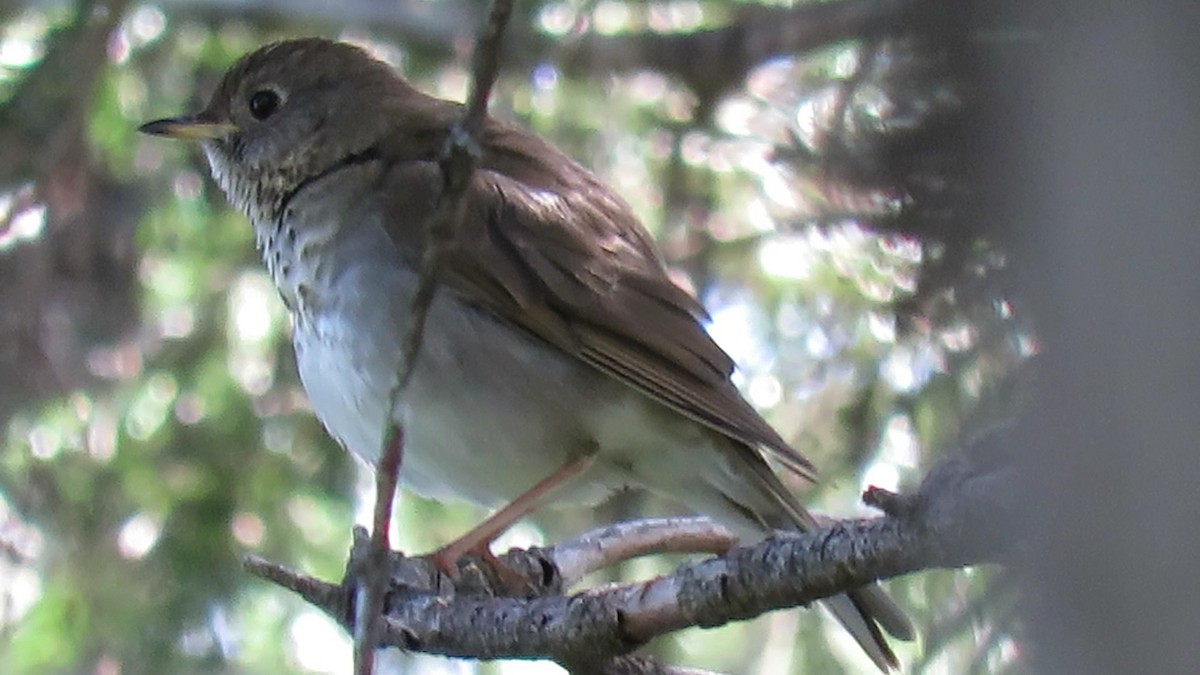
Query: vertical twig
[457,162]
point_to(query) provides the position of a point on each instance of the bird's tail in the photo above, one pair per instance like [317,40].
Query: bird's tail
[863,612]
[867,612]
[742,492]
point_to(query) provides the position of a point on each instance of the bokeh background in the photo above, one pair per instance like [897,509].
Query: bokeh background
[817,197]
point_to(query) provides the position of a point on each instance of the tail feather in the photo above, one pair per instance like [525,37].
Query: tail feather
[886,612]
[744,493]
[862,627]
[865,612]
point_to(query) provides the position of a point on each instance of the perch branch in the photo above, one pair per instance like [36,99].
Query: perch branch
[958,517]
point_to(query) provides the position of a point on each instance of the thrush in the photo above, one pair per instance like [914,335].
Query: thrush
[559,362]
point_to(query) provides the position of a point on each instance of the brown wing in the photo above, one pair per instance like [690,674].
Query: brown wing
[550,248]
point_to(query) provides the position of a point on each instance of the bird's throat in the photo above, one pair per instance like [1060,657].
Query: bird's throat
[370,154]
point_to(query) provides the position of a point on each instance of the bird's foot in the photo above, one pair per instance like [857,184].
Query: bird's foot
[447,560]
[478,541]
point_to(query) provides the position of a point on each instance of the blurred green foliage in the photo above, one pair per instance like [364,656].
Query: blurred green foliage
[125,506]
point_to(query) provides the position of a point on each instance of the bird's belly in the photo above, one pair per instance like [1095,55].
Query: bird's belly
[489,411]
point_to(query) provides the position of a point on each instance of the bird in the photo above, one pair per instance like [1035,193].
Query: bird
[559,361]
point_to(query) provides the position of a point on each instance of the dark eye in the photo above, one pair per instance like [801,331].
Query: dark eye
[264,103]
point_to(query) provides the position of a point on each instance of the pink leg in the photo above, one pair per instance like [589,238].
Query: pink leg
[480,538]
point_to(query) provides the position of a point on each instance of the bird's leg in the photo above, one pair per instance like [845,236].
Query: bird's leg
[480,538]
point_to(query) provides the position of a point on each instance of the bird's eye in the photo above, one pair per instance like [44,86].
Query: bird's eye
[264,103]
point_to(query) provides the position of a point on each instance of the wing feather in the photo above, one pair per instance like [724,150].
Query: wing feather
[548,247]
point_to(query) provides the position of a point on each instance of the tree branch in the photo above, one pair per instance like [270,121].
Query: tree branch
[711,62]
[963,514]
[708,61]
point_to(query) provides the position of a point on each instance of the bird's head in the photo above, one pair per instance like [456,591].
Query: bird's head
[289,111]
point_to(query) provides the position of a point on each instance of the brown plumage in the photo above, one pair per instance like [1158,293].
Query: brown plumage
[557,332]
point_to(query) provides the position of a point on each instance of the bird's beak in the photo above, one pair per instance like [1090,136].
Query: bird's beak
[191,128]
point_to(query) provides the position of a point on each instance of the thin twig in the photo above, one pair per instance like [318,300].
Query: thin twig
[457,162]
[604,547]
[374,573]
